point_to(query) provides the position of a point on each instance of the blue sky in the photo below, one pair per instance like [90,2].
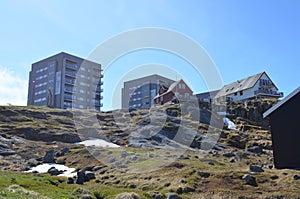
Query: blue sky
[242,37]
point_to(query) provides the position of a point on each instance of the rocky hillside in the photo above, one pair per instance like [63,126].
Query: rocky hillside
[238,165]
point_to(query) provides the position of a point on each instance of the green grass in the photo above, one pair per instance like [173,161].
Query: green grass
[21,185]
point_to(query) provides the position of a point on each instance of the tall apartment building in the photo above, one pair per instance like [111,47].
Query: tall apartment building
[139,93]
[65,81]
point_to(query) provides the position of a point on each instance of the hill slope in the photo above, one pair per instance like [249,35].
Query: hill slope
[26,133]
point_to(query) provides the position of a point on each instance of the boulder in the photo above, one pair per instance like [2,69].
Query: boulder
[255,149]
[296,177]
[49,157]
[86,196]
[173,196]
[89,175]
[237,141]
[255,169]
[229,154]
[70,180]
[233,159]
[250,180]
[188,190]
[5,150]
[96,168]
[53,171]
[127,196]
[32,162]
[80,177]
[203,174]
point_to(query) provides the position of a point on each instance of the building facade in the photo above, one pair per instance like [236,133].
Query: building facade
[256,86]
[285,131]
[177,91]
[139,93]
[65,81]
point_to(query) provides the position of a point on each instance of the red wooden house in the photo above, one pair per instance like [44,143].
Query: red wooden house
[177,91]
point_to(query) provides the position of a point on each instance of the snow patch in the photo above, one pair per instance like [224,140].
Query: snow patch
[43,168]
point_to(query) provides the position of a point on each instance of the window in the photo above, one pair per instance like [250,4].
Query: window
[235,94]
[41,84]
[80,98]
[40,92]
[41,70]
[183,86]
[41,77]
[241,93]
[84,84]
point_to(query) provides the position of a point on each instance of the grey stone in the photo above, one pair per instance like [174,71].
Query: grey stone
[124,154]
[296,177]
[111,159]
[65,150]
[188,189]
[96,168]
[86,196]
[89,175]
[32,162]
[173,196]
[233,159]
[203,174]
[80,177]
[255,149]
[229,154]
[127,196]
[133,157]
[53,171]
[255,169]
[250,180]
[5,150]
[49,157]
[70,180]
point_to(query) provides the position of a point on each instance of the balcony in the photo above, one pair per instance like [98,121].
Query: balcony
[70,74]
[72,66]
[69,89]
[99,89]
[97,103]
[70,81]
[99,75]
[269,93]
[264,83]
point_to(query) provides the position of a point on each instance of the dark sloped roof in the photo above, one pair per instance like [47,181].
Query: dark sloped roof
[287,98]
[239,85]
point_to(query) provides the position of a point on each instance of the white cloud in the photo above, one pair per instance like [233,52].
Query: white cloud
[13,89]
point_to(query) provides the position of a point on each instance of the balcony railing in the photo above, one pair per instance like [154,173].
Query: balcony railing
[70,74]
[99,89]
[268,92]
[68,89]
[72,66]
[97,103]
[265,83]
[99,75]
[70,81]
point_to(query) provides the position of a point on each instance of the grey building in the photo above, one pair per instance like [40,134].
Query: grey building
[65,81]
[207,96]
[139,93]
